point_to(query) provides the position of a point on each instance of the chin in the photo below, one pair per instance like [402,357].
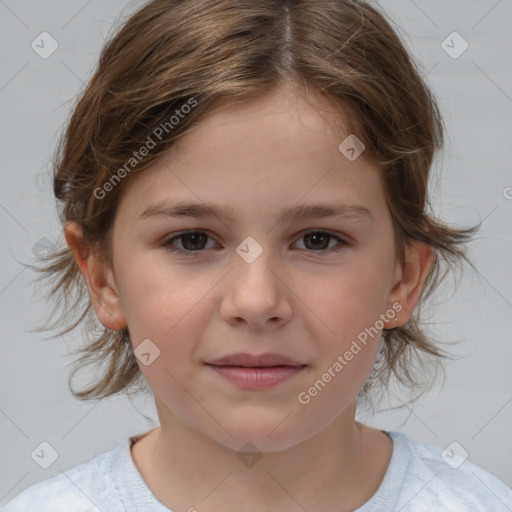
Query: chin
[267,434]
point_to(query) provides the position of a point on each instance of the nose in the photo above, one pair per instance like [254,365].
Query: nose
[257,294]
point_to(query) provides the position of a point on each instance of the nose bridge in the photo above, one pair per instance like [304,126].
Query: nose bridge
[255,295]
[255,286]
[254,260]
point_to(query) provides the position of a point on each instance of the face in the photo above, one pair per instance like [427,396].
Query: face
[303,287]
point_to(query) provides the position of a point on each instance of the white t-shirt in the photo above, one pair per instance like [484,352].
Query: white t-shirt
[417,480]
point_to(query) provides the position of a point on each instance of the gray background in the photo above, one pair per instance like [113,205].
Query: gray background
[473,407]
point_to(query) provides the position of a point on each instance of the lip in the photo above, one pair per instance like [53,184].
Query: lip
[249,360]
[260,371]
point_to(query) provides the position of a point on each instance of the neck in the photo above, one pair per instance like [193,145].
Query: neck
[184,468]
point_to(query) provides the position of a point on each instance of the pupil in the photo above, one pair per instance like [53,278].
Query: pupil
[196,239]
[193,236]
[315,237]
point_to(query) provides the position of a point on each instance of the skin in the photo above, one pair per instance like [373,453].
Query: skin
[297,298]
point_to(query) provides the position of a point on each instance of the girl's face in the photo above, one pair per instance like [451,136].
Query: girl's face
[253,281]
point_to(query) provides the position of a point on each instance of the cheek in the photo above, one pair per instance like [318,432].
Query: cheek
[158,297]
[172,313]
[170,308]
[347,299]
[347,338]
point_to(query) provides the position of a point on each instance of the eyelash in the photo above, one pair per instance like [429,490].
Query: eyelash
[168,243]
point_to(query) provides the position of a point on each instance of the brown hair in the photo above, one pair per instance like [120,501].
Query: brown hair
[173,53]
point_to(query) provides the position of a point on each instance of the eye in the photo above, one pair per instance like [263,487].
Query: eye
[192,241]
[321,240]
[195,241]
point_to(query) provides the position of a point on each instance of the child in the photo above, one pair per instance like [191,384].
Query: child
[258,127]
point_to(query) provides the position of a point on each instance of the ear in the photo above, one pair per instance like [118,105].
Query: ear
[409,281]
[99,277]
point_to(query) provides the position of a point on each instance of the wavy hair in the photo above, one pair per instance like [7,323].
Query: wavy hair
[218,52]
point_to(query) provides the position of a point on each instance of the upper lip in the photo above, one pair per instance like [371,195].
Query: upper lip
[253,360]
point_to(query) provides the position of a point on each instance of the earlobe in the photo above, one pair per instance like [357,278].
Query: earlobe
[408,288]
[99,277]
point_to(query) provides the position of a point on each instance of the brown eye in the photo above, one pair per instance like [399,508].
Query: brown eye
[196,241]
[320,240]
[191,241]
[317,240]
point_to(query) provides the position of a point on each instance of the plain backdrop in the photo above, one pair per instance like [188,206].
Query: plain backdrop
[473,406]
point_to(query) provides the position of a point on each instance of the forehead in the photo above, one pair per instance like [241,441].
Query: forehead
[281,114]
[261,156]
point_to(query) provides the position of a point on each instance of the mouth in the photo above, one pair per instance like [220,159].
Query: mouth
[256,371]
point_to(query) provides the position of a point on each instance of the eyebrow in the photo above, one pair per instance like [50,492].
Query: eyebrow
[205,210]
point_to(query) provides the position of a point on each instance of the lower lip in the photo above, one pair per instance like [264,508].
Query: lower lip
[257,378]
